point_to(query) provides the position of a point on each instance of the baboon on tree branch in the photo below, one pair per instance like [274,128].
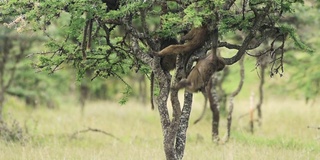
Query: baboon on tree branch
[196,38]
[201,73]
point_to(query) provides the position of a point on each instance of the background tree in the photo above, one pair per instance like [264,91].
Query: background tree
[304,75]
[13,48]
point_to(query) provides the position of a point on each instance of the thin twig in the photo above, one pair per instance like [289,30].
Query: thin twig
[73,136]
[313,127]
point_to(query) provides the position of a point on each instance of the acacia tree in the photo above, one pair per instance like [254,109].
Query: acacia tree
[112,37]
[13,47]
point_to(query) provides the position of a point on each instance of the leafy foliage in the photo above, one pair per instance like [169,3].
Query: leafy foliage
[109,41]
[304,77]
[292,33]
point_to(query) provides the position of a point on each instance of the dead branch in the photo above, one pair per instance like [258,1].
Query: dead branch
[234,94]
[73,136]
[246,114]
[313,127]
[262,78]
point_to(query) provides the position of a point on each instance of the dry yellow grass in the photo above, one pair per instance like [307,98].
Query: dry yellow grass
[283,134]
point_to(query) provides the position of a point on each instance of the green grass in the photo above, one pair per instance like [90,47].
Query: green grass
[283,134]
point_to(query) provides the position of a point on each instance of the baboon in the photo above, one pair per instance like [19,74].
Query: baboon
[112,4]
[201,73]
[196,38]
[168,62]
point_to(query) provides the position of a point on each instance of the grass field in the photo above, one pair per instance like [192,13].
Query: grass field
[283,134]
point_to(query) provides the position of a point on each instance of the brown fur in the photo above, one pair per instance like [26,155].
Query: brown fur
[201,73]
[168,62]
[196,38]
[112,4]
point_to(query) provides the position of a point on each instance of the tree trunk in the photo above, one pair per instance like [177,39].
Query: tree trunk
[84,92]
[168,128]
[183,126]
[234,94]
[251,110]
[213,99]
[222,95]
[212,93]
[2,88]
[174,131]
[262,71]
[1,104]
[3,58]
[168,135]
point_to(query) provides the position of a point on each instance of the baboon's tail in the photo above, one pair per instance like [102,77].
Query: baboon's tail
[151,90]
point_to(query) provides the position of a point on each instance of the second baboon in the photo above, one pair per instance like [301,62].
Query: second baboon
[201,73]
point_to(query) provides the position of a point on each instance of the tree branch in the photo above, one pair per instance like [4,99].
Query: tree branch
[232,96]
[73,136]
[259,18]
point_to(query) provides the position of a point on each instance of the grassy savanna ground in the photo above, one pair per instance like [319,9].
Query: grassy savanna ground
[283,134]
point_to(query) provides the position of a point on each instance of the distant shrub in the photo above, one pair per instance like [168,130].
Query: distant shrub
[10,131]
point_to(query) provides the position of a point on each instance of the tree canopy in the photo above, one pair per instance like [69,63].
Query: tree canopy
[110,37]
